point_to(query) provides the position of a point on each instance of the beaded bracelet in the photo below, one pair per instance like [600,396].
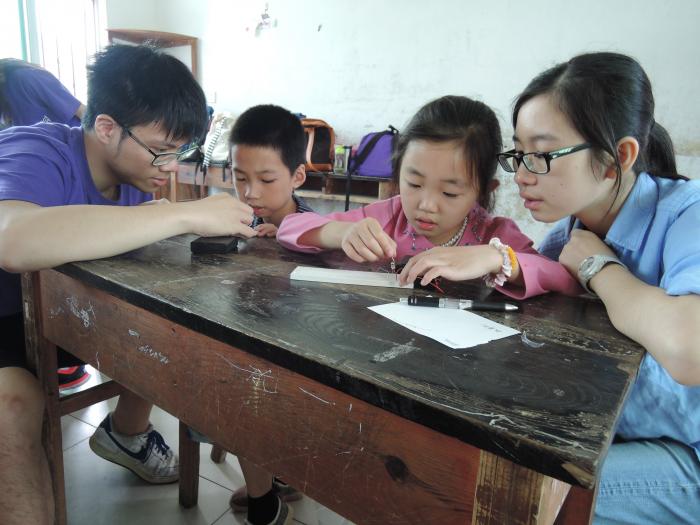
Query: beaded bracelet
[510,261]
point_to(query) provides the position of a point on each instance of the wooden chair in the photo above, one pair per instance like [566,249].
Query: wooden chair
[189,182]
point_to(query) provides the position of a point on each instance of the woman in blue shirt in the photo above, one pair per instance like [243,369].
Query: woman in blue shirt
[589,155]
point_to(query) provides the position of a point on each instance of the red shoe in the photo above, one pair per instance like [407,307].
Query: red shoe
[72,376]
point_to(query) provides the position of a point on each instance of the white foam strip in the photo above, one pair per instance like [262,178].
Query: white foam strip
[330,275]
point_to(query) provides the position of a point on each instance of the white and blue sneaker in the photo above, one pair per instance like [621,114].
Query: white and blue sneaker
[146,454]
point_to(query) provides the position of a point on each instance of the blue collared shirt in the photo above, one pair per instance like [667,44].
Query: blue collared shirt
[657,236]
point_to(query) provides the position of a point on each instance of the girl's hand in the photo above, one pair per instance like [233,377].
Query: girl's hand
[366,241]
[266,229]
[582,244]
[458,263]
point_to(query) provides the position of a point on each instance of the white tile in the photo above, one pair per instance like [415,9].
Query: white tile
[311,512]
[74,431]
[328,517]
[94,414]
[306,511]
[227,474]
[231,519]
[101,493]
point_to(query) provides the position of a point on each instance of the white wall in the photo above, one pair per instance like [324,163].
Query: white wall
[11,41]
[365,64]
[136,14]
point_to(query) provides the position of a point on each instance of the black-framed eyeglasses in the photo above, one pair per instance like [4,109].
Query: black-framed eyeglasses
[536,162]
[161,159]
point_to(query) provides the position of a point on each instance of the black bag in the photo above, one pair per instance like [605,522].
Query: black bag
[320,143]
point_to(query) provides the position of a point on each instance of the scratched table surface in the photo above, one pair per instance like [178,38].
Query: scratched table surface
[547,398]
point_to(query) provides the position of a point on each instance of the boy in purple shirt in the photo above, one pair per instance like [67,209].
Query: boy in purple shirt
[30,94]
[70,194]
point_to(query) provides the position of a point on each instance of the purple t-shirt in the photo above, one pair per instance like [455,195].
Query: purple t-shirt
[35,95]
[45,164]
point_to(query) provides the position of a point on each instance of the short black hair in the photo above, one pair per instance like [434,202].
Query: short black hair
[140,85]
[271,126]
[471,124]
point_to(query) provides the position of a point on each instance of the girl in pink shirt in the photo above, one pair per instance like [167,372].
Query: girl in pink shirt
[445,163]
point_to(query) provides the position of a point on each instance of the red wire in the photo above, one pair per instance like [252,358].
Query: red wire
[435,284]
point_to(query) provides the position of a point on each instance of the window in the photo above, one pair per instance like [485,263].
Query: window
[11,30]
[63,37]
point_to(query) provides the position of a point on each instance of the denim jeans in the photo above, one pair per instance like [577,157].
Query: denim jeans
[654,481]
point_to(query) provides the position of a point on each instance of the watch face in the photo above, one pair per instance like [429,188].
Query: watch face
[587,265]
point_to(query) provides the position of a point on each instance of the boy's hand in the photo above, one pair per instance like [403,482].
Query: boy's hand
[219,215]
[266,229]
[458,263]
[366,241]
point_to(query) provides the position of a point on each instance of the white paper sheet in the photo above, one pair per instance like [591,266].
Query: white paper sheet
[453,328]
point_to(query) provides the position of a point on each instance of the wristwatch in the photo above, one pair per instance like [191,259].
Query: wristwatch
[590,266]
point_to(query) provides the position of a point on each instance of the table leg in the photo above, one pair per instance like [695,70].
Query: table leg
[578,507]
[218,454]
[509,493]
[189,468]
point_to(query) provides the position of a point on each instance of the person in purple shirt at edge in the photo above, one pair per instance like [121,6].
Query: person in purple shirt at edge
[71,194]
[30,94]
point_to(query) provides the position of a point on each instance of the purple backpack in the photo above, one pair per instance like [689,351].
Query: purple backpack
[373,156]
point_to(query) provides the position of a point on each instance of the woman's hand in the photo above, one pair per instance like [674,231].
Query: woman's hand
[366,241]
[582,244]
[458,263]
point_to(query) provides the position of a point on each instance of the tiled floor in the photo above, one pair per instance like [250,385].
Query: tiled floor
[101,493]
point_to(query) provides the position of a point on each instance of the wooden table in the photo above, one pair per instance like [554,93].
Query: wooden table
[374,421]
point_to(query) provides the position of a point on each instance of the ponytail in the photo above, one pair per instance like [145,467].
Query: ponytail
[658,157]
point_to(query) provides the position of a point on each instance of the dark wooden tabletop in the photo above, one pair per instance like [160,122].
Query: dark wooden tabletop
[547,399]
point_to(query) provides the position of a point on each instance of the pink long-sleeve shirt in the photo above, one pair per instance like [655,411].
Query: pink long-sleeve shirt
[540,274]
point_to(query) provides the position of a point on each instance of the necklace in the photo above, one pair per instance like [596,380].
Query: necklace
[454,240]
[457,236]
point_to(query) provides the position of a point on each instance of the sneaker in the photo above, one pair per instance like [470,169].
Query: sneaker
[239,498]
[72,376]
[146,455]
[284,516]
